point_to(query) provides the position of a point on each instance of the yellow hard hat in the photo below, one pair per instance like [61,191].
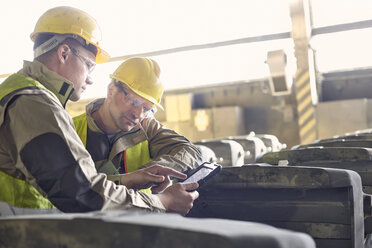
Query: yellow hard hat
[142,76]
[68,20]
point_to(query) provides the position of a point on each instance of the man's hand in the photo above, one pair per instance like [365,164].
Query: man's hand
[156,176]
[179,197]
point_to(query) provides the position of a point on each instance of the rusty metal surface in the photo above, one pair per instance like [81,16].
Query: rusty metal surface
[367,143]
[366,136]
[357,159]
[297,157]
[325,203]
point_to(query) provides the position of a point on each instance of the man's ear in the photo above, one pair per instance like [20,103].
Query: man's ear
[62,53]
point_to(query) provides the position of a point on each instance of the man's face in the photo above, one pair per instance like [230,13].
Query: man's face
[126,108]
[77,69]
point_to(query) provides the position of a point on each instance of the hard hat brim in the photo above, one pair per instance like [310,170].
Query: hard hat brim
[147,97]
[102,56]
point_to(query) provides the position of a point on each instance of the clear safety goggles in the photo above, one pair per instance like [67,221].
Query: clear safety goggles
[132,99]
[88,62]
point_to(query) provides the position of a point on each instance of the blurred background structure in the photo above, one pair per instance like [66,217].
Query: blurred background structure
[297,69]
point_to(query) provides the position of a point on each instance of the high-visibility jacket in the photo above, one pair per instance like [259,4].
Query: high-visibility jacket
[133,158]
[41,156]
[147,144]
[18,192]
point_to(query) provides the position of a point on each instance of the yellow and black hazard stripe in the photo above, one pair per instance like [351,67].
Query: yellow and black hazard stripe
[305,107]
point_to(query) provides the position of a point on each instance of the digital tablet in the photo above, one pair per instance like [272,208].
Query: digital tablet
[203,173]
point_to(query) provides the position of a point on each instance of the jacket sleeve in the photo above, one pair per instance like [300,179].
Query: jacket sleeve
[169,148]
[54,160]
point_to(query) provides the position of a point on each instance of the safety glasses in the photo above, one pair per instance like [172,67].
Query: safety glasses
[135,101]
[88,63]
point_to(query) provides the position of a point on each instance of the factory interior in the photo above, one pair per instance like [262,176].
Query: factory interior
[294,143]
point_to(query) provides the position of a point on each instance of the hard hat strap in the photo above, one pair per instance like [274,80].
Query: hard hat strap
[55,41]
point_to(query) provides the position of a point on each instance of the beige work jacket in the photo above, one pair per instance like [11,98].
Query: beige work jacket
[166,147]
[38,144]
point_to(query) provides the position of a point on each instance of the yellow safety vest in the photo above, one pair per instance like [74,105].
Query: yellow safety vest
[134,157]
[16,192]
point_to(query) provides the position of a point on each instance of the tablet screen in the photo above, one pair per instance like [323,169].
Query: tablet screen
[197,176]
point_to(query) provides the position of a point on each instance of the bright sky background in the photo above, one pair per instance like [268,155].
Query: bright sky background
[138,26]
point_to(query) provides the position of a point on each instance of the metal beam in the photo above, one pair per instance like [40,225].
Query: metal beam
[277,36]
[342,27]
[268,37]
[305,86]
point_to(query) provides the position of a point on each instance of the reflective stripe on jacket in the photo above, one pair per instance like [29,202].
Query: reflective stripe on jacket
[17,192]
[39,145]
[135,156]
[164,146]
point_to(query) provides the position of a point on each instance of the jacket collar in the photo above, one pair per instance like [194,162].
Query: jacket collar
[90,108]
[57,84]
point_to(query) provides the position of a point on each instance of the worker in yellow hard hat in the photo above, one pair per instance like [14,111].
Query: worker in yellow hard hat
[121,132]
[43,163]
